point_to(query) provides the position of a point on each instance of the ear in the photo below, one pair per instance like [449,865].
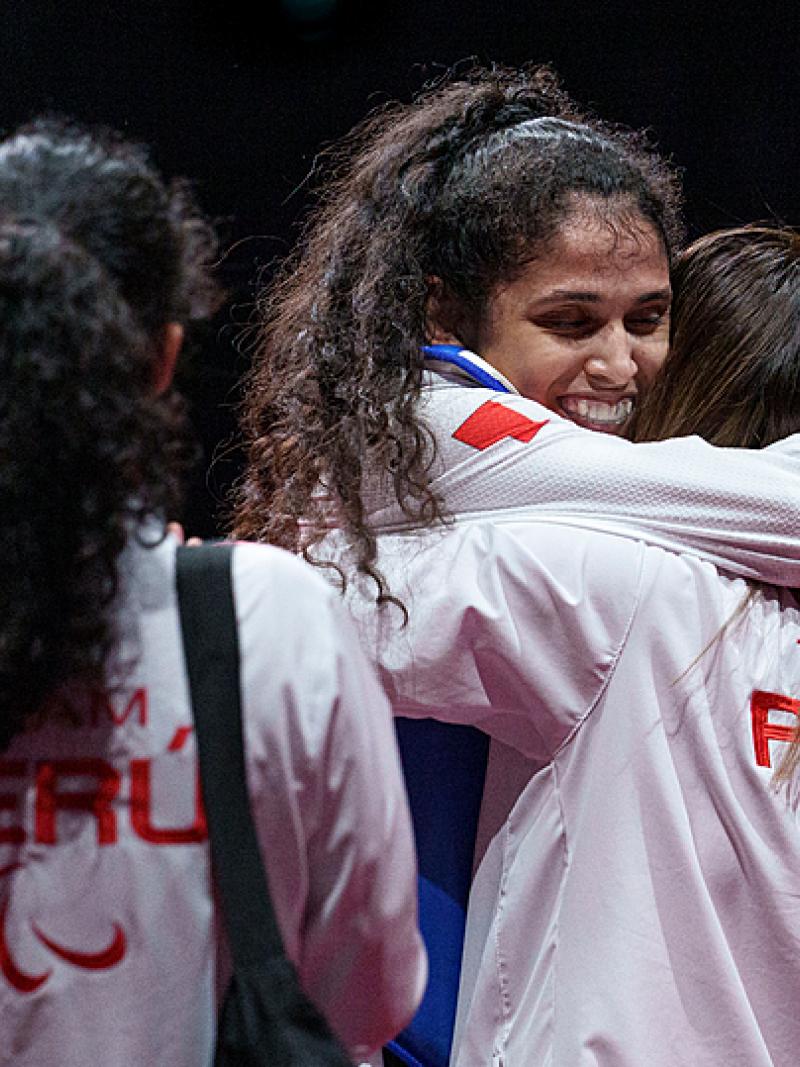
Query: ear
[443,325]
[169,346]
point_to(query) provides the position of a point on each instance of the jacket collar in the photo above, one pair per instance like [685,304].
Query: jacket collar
[460,364]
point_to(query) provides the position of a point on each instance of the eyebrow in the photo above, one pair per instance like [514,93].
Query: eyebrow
[558,295]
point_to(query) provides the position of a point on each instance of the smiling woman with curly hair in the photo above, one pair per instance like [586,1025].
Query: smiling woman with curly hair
[446,371]
[488,234]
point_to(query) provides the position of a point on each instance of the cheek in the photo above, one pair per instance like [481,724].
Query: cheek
[555,370]
[520,353]
[541,367]
[650,362]
[651,351]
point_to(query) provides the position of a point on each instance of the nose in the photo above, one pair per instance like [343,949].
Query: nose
[611,364]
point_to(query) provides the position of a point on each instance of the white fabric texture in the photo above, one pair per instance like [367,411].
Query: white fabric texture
[738,509]
[330,813]
[635,899]
[636,890]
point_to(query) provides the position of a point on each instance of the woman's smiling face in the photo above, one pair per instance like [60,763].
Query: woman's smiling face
[584,328]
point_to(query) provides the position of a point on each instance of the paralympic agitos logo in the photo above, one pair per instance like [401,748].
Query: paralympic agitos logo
[24,982]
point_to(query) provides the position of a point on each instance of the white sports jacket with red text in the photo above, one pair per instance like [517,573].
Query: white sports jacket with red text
[107,927]
[637,877]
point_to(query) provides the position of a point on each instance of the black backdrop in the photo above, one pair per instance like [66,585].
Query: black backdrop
[241,96]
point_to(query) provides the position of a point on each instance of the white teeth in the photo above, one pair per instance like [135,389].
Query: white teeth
[598,411]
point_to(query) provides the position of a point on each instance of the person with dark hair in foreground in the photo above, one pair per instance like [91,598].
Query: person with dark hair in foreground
[485,279]
[108,949]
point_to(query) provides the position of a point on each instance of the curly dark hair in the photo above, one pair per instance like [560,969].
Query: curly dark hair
[97,255]
[104,193]
[466,185]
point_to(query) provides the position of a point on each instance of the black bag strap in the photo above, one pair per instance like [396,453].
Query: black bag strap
[211,650]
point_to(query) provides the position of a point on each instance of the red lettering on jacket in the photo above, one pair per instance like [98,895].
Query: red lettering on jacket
[140,811]
[764,731]
[97,797]
[11,835]
[492,422]
[97,801]
[102,707]
[179,738]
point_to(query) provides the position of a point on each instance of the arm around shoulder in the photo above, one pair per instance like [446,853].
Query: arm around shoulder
[736,508]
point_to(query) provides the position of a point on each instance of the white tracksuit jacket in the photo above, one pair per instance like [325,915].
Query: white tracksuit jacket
[636,901]
[107,926]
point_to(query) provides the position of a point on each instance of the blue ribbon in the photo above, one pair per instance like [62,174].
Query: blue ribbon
[462,358]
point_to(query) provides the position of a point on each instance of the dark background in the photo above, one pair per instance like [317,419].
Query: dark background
[240,97]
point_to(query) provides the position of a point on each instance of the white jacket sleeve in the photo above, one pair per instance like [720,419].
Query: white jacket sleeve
[736,508]
[512,628]
[328,801]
